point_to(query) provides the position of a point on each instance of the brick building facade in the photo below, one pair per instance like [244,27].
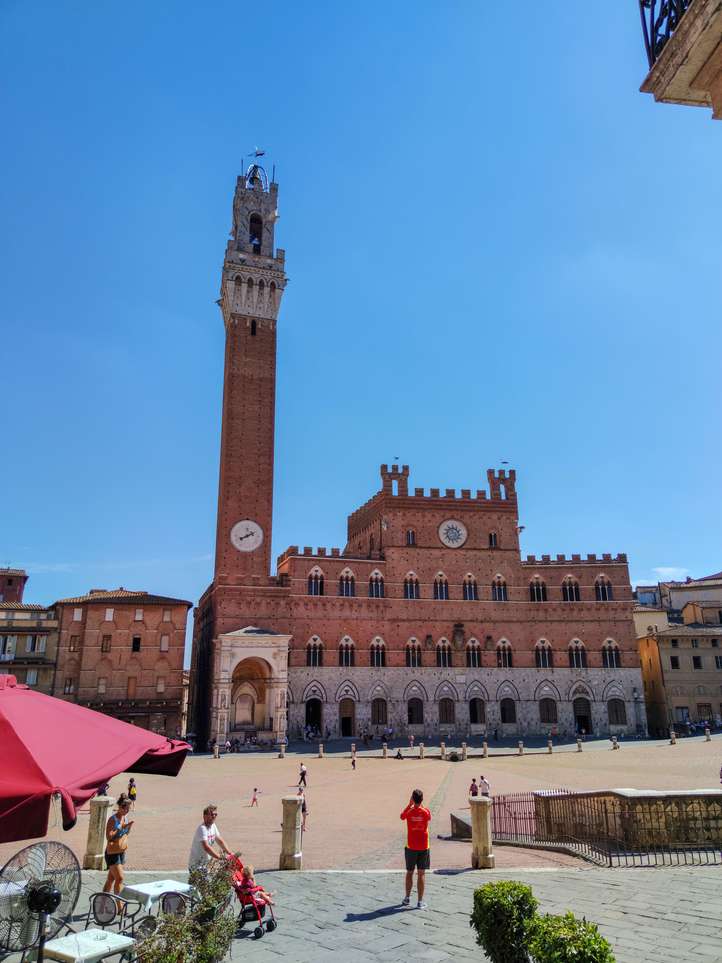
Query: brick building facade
[121,652]
[28,644]
[428,619]
[12,584]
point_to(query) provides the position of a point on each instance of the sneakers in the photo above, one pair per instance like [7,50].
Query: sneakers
[422,905]
[405,901]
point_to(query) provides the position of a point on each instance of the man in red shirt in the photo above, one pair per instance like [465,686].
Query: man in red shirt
[418,854]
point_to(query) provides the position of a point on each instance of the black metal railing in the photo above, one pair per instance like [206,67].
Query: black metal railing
[660,19]
[612,831]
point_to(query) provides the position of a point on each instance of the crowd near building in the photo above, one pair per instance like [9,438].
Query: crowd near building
[120,652]
[428,620]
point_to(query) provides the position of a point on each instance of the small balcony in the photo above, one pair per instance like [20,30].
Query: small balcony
[683,41]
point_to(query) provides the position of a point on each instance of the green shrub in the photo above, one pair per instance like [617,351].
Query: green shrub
[565,939]
[205,934]
[501,913]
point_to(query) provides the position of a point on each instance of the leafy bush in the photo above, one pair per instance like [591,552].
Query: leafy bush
[500,917]
[205,934]
[565,939]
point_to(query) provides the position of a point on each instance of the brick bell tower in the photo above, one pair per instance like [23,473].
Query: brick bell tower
[251,290]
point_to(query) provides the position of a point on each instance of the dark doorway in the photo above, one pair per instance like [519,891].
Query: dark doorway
[582,716]
[314,714]
[347,716]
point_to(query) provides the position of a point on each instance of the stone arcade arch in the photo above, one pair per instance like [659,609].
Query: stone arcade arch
[250,669]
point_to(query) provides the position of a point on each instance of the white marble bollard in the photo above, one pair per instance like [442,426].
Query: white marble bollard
[291,855]
[320,750]
[485,749]
[615,744]
[707,735]
[521,748]
[385,750]
[421,750]
[550,745]
[672,737]
[482,856]
[463,751]
[443,750]
[100,809]
[579,745]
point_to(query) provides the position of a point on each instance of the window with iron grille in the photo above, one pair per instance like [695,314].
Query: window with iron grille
[617,712]
[477,712]
[447,712]
[548,711]
[507,709]
[379,712]
[105,643]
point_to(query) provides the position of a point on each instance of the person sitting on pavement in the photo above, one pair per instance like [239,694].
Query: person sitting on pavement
[205,838]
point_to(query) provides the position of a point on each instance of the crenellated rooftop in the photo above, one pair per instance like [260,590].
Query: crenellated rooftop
[591,559]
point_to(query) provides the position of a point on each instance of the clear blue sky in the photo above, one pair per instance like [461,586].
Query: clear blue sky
[498,249]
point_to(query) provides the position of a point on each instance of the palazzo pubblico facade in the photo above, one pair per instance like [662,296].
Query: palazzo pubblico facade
[428,620]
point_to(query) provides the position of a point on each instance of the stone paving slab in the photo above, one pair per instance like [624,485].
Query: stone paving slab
[651,914]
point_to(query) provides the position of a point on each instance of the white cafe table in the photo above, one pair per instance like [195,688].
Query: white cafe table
[87,946]
[149,893]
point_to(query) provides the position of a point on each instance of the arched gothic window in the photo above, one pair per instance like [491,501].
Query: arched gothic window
[415,712]
[611,658]
[447,712]
[470,589]
[544,655]
[617,712]
[603,589]
[413,655]
[473,655]
[548,711]
[498,590]
[379,712]
[410,536]
[537,590]
[255,232]
[315,583]
[377,654]
[570,590]
[504,659]
[314,653]
[376,587]
[346,655]
[577,655]
[347,585]
[441,588]
[477,712]
[493,541]
[507,708]
[443,655]
[411,587]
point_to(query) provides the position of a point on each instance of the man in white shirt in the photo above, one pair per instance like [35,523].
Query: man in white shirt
[204,839]
[484,786]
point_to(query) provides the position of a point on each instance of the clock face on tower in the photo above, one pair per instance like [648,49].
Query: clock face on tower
[453,533]
[247,535]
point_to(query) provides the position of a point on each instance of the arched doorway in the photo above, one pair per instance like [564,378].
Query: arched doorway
[347,717]
[582,715]
[250,711]
[379,712]
[314,714]
[477,713]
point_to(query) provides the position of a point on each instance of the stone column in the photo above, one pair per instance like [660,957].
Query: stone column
[291,855]
[482,856]
[100,808]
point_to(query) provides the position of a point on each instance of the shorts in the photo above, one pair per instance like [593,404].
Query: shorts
[112,859]
[417,859]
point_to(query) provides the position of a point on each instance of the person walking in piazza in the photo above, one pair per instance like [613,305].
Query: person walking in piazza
[302,775]
[205,838]
[254,797]
[116,843]
[484,786]
[417,852]
[474,788]
[132,792]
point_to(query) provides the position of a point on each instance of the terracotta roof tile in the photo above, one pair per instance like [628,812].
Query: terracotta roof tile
[122,595]
[24,606]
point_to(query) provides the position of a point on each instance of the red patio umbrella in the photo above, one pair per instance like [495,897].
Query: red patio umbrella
[50,746]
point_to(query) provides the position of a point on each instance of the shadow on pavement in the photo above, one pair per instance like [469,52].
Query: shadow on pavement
[375,914]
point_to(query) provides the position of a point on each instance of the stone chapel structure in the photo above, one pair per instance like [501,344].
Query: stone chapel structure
[428,619]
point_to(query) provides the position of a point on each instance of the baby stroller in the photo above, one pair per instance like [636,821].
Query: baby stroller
[252,910]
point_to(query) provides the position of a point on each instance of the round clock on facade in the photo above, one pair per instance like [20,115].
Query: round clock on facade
[453,533]
[246,536]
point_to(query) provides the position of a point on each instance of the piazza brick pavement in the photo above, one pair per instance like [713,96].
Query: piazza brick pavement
[665,915]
